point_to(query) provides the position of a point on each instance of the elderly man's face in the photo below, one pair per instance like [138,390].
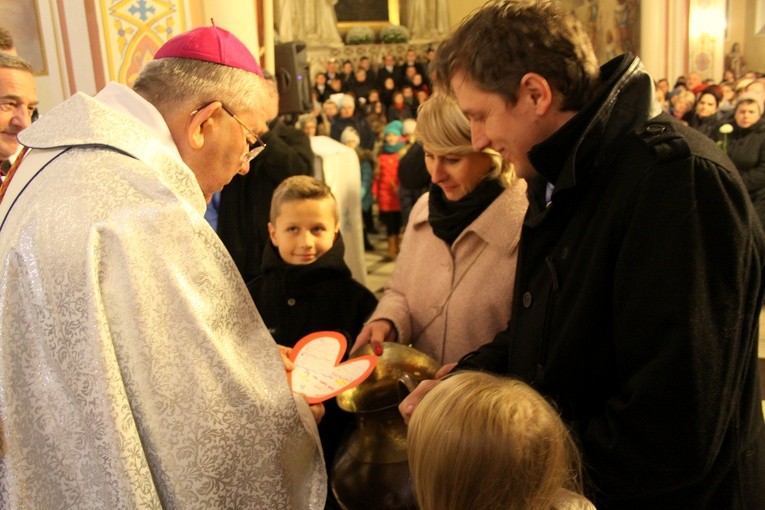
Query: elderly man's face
[18,99]
[346,111]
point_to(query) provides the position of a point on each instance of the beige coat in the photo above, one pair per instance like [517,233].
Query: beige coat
[449,301]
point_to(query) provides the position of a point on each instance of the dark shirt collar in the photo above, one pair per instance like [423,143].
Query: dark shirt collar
[552,155]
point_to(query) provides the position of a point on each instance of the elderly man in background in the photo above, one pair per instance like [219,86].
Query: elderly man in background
[135,369]
[18,101]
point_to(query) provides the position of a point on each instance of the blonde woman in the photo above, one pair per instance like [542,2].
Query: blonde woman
[451,289]
[478,440]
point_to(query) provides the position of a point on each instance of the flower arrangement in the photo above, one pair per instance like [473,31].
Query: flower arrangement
[360,35]
[394,34]
[725,129]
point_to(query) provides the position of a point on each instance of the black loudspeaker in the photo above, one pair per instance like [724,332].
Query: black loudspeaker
[292,77]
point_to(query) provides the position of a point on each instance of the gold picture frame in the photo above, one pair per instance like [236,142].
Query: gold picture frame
[22,19]
[374,14]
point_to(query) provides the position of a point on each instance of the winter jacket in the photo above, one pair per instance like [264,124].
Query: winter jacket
[746,148]
[297,300]
[386,185]
[448,300]
[636,304]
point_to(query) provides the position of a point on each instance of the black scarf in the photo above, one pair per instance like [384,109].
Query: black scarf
[448,219]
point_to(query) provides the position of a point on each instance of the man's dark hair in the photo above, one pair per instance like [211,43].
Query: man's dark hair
[505,39]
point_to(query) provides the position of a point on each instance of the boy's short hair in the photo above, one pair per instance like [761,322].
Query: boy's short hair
[300,187]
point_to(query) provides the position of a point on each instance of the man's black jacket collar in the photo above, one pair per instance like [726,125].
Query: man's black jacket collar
[623,100]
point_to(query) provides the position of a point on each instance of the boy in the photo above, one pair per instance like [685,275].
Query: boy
[305,285]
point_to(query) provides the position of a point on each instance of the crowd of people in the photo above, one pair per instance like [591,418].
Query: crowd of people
[367,96]
[379,105]
[581,257]
[730,112]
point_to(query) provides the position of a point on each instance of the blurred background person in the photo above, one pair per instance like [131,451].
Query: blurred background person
[412,173]
[746,148]
[386,184]
[706,117]
[329,110]
[321,88]
[307,124]
[681,105]
[349,118]
[367,161]
[398,109]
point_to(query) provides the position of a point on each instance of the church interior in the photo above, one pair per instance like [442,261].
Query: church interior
[84,45]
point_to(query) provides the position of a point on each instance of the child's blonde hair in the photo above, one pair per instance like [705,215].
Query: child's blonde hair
[300,187]
[482,441]
[444,129]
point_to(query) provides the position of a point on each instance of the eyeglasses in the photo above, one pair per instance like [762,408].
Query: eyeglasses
[255,148]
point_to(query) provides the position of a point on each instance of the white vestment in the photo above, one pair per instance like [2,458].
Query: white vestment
[135,371]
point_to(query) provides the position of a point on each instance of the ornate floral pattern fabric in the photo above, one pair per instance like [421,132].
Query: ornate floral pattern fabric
[135,371]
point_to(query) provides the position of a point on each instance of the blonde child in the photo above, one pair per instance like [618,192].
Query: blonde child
[478,440]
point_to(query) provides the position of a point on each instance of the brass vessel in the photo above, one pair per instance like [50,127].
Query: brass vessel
[370,470]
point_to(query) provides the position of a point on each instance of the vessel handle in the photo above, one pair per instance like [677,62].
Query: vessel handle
[406,385]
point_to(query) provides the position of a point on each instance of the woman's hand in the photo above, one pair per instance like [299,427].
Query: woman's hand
[376,332]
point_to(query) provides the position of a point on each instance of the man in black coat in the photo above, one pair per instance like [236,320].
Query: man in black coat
[245,201]
[389,69]
[640,273]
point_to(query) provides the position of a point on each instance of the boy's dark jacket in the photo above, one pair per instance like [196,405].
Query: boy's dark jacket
[322,296]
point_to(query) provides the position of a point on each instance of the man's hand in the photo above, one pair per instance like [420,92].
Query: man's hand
[376,332]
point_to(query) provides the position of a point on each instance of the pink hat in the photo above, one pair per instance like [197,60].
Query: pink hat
[211,44]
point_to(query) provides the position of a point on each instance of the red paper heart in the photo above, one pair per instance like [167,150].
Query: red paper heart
[318,373]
